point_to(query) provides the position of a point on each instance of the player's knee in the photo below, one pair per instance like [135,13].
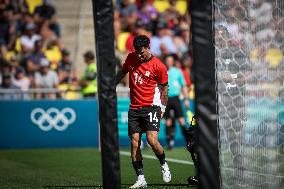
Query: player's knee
[134,143]
[152,141]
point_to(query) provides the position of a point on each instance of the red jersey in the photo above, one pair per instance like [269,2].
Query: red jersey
[143,80]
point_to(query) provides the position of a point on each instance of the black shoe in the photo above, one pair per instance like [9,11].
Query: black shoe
[192,181]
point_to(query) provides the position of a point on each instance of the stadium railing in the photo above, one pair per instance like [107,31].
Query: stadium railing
[34,93]
[18,94]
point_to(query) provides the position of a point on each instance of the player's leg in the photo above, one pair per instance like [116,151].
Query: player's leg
[170,126]
[170,133]
[137,161]
[134,132]
[152,138]
[152,128]
[135,147]
[179,115]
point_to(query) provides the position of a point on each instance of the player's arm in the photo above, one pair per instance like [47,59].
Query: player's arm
[119,76]
[122,72]
[162,80]
[164,97]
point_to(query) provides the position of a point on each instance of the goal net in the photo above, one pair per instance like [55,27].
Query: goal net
[249,40]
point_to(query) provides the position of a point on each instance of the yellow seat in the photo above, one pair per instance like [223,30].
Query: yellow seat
[162,5]
[254,54]
[181,6]
[273,57]
[71,92]
[9,55]
[121,41]
[54,56]
[18,46]
[32,4]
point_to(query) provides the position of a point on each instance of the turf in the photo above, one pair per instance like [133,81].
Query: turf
[81,168]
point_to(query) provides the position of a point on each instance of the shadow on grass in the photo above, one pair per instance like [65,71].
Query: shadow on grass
[174,186]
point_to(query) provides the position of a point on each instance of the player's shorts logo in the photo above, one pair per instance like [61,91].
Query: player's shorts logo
[53,118]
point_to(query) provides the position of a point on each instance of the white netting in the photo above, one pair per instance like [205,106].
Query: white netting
[249,42]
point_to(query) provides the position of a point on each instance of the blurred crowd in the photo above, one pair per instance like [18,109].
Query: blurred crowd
[33,60]
[32,54]
[251,33]
[33,57]
[167,23]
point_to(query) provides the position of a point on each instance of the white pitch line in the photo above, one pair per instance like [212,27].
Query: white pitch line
[191,163]
[154,157]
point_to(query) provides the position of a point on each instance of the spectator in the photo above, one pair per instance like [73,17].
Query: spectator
[89,79]
[4,28]
[46,78]
[137,29]
[148,14]
[21,80]
[8,84]
[45,16]
[186,64]
[182,39]
[65,67]
[163,41]
[172,15]
[116,22]
[53,53]
[33,59]
[128,12]
[176,86]
[22,37]
[29,38]
[6,67]
[67,82]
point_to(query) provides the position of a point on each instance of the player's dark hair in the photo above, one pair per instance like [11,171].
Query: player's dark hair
[141,41]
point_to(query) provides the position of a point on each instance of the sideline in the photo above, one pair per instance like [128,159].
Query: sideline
[154,157]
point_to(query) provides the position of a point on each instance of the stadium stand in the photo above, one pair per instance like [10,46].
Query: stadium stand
[32,30]
[32,52]
[167,23]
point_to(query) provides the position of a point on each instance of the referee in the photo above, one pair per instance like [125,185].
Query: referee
[176,85]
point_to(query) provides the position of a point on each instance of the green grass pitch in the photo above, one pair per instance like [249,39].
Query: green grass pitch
[81,168]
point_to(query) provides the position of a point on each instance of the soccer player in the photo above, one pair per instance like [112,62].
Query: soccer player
[176,85]
[148,83]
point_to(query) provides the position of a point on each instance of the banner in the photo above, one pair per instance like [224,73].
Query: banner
[59,123]
[37,124]
[123,107]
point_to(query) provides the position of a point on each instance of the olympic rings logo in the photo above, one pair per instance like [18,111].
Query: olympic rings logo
[53,118]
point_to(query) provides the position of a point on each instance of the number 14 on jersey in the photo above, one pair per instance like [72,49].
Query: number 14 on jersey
[138,78]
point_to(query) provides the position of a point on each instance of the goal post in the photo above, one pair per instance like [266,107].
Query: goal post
[238,66]
[104,40]
[205,93]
